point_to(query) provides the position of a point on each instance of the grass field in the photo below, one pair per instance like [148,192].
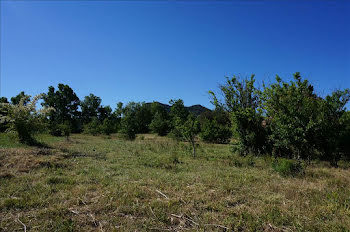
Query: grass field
[153,184]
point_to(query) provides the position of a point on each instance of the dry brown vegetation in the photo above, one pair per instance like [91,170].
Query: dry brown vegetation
[153,184]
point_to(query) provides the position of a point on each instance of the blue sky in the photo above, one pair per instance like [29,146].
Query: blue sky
[153,50]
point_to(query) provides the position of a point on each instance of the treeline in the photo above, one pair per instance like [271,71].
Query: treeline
[283,119]
[65,113]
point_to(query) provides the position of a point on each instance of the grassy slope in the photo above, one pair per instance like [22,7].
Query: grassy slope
[99,183]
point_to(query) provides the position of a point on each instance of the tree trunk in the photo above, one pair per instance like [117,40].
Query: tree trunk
[193,149]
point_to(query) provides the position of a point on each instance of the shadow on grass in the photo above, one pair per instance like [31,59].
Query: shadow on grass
[35,143]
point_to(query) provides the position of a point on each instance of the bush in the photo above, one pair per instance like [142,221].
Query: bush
[93,127]
[243,101]
[108,127]
[25,119]
[213,132]
[286,167]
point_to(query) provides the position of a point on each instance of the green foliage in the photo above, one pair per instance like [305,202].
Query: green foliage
[292,111]
[3,114]
[332,139]
[243,101]
[287,167]
[66,105]
[93,127]
[215,127]
[15,100]
[24,118]
[108,126]
[302,124]
[90,108]
[136,118]
[160,123]
[344,135]
[188,130]
[178,114]
[65,129]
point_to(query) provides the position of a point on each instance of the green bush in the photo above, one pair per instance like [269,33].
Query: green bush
[242,100]
[93,127]
[286,167]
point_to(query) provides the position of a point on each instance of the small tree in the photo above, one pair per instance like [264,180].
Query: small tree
[188,130]
[24,118]
[129,123]
[178,113]
[65,128]
[108,127]
[243,101]
[160,121]
[3,114]
[292,110]
[215,126]
[93,127]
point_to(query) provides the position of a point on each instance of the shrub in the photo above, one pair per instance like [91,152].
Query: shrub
[214,132]
[286,167]
[243,101]
[108,127]
[93,127]
[24,118]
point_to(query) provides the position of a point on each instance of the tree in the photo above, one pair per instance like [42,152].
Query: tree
[108,126]
[104,112]
[333,121]
[215,126]
[303,125]
[242,100]
[129,124]
[188,130]
[143,116]
[3,114]
[90,107]
[160,121]
[24,118]
[93,127]
[66,104]
[3,100]
[178,113]
[15,100]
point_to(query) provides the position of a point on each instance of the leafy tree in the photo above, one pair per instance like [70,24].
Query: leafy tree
[90,107]
[303,125]
[129,124]
[105,112]
[3,114]
[66,104]
[188,130]
[15,100]
[292,111]
[243,102]
[334,127]
[143,117]
[65,128]
[3,100]
[108,126]
[160,121]
[24,118]
[178,113]
[93,127]
[344,135]
[215,127]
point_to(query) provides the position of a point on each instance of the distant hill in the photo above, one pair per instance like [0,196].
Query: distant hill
[195,109]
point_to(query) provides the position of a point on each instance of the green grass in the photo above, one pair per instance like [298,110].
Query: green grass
[104,183]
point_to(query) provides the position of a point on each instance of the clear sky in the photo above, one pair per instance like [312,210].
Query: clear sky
[153,50]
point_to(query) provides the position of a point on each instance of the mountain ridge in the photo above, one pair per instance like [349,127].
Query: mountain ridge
[196,109]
